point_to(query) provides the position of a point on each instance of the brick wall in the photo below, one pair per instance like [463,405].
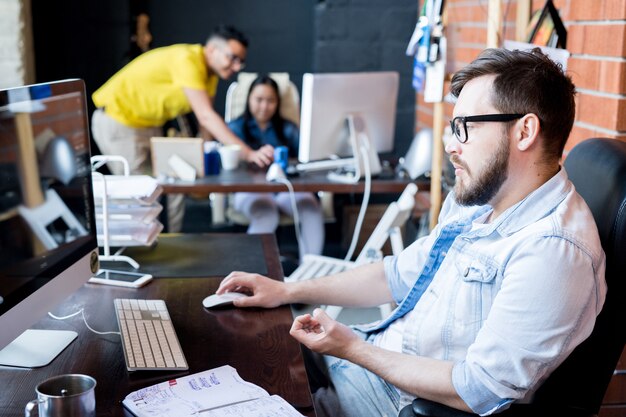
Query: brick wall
[596,38]
[16,50]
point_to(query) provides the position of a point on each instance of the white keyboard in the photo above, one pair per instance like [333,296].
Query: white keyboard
[314,266]
[148,336]
[324,164]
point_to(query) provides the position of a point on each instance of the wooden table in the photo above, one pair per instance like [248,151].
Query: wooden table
[256,342]
[253,180]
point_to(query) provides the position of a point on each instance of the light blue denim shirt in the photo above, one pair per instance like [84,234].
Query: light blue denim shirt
[506,302]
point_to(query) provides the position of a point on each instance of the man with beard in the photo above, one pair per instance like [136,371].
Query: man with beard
[498,294]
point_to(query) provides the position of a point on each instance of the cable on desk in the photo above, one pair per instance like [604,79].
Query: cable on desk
[296,217]
[82,312]
[364,149]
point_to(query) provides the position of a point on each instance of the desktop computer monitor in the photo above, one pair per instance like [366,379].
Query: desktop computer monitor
[48,246]
[334,104]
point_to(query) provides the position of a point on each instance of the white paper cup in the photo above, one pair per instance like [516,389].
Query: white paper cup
[229,154]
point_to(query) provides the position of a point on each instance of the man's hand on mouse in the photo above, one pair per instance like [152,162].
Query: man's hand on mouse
[263,291]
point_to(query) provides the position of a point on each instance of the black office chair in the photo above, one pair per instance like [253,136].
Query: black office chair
[597,167]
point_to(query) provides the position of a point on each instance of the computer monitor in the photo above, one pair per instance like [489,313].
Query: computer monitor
[48,246]
[339,108]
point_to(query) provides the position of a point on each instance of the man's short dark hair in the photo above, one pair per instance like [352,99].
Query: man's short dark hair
[527,82]
[227,33]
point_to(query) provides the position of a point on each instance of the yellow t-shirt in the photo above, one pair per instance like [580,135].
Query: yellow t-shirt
[149,90]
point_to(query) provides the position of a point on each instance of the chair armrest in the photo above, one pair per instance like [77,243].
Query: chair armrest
[426,408]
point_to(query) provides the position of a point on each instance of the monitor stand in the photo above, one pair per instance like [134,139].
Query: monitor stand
[36,348]
[360,144]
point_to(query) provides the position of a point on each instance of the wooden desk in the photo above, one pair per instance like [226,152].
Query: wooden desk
[254,341]
[243,179]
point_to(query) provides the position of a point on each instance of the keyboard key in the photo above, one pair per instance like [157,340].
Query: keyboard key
[148,337]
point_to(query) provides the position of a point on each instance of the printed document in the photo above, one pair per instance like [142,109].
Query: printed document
[218,392]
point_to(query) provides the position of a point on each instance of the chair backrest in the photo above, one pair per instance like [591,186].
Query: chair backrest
[597,167]
[237,94]
[388,227]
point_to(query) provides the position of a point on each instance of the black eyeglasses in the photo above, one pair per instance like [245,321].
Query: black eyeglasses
[459,124]
[234,59]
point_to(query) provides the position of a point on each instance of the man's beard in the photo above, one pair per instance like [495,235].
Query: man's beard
[487,183]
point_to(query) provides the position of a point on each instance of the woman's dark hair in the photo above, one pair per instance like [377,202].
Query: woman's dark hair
[276,120]
[527,82]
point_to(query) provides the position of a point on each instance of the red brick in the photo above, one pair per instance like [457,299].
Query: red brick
[459,57]
[469,34]
[584,72]
[599,75]
[575,39]
[464,13]
[586,10]
[606,112]
[614,9]
[580,134]
[599,40]
[597,10]
[613,77]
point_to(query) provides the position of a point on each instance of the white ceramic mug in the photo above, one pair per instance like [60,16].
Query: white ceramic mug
[229,154]
[65,395]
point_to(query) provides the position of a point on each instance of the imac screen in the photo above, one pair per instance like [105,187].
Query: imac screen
[329,99]
[48,243]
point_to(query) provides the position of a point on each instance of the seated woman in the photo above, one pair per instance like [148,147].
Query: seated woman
[261,126]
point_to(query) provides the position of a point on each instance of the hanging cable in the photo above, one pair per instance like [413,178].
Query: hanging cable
[364,149]
[296,217]
[81,312]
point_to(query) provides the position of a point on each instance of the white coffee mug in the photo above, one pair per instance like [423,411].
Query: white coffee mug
[229,154]
[65,395]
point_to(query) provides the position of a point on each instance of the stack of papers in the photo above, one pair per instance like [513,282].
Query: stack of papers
[218,392]
[141,189]
[132,207]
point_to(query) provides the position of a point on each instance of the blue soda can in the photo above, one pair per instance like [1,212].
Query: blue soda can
[212,161]
[281,156]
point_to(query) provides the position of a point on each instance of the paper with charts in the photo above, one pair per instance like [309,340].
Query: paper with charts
[218,392]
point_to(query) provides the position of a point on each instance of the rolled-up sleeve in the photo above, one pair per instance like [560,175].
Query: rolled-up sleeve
[551,294]
[396,285]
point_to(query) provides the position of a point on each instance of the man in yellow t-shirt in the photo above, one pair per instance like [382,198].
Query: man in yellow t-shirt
[134,104]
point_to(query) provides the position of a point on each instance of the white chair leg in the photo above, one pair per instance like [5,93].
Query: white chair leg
[333,311]
[218,208]
[385,310]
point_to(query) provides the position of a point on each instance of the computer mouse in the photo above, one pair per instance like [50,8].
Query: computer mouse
[218,300]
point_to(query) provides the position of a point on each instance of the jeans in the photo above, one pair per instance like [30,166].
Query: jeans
[354,391]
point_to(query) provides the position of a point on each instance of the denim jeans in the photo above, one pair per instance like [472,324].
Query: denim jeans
[354,392]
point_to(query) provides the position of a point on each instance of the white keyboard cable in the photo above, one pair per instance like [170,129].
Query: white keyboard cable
[82,312]
[296,218]
[364,149]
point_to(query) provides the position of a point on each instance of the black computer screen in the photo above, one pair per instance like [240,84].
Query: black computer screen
[46,200]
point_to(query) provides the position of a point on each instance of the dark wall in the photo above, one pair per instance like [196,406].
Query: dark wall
[370,35]
[280,31]
[80,39]
[90,40]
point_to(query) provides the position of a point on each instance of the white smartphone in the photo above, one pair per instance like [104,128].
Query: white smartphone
[120,278]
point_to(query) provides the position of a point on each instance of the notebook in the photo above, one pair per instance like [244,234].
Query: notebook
[167,151]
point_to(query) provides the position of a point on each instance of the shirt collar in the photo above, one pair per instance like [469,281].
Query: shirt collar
[535,206]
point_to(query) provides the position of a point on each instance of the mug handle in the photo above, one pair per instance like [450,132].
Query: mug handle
[29,407]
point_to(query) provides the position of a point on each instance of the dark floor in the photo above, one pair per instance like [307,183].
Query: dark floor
[198,220]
